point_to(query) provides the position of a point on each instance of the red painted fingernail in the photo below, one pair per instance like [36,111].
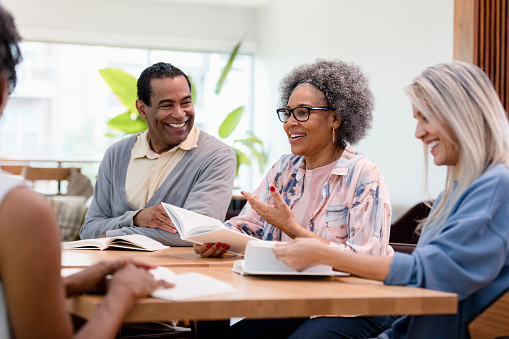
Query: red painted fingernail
[224,245]
[272,188]
[227,248]
[242,192]
[218,245]
[209,245]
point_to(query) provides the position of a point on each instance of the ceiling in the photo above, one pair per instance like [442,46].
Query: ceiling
[232,3]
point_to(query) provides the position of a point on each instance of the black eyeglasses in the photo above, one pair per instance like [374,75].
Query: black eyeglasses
[299,113]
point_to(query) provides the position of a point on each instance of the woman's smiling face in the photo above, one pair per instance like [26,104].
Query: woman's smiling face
[439,138]
[313,138]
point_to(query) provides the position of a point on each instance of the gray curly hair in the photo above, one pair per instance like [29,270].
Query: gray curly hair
[347,92]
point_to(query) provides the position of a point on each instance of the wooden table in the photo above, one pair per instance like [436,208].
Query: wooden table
[272,297]
[170,257]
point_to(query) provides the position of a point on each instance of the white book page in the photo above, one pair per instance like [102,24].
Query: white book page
[86,243]
[193,285]
[132,241]
[137,242]
[190,222]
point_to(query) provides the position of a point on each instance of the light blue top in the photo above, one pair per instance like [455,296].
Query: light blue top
[468,256]
[201,182]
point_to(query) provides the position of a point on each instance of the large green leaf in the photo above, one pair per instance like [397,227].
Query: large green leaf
[123,85]
[250,141]
[124,122]
[227,68]
[261,158]
[242,158]
[230,122]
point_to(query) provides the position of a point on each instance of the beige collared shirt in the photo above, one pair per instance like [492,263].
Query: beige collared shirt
[147,170]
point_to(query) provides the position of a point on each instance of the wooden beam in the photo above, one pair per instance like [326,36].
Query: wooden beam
[464,30]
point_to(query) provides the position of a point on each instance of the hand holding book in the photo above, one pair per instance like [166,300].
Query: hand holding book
[155,217]
[211,250]
[201,229]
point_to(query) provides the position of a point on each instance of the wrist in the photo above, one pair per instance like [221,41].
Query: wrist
[294,230]
[121,294]
[135,218]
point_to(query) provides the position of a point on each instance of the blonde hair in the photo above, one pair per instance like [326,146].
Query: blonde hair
[461,97]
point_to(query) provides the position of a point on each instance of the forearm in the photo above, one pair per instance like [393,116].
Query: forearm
[294,230]
[97,224]
[365,266]
[107,319]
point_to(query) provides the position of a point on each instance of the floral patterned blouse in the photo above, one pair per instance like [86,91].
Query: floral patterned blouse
[354,213]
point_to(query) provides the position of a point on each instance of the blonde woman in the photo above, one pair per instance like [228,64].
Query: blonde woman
[464,245]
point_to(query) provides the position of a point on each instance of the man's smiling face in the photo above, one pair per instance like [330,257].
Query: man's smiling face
[170,117]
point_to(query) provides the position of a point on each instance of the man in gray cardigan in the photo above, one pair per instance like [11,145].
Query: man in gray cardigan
[171,162]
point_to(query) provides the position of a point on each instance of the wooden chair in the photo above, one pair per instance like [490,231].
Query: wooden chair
[12,169]
[493,322]
[58,174]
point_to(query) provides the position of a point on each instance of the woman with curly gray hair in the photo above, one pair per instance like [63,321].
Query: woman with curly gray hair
[324,190]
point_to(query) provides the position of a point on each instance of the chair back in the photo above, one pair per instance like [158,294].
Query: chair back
[12,169]
[493,322]
[403,229]
[57,174]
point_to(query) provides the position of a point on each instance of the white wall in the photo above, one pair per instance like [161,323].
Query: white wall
[134,23]
[392,41]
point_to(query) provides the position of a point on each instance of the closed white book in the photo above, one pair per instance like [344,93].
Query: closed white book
[259,259]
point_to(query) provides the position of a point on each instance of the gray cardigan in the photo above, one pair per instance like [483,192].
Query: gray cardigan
[201,182]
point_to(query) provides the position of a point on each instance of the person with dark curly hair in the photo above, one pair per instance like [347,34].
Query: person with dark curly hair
[333,193]
[324,190]
[32,291]
[173,161]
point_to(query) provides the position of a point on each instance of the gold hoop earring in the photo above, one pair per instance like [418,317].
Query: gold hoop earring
[333,136]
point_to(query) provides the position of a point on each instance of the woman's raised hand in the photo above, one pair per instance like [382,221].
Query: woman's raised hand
[279,215]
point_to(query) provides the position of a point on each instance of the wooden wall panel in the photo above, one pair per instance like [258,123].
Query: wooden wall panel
[480,37]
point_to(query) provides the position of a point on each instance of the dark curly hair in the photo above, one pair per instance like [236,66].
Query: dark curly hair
[10,54]
[160,70]
[347,92]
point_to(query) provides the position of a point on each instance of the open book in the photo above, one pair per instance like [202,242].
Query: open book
[260,260]
[188,285]
[131,242]
[201,229]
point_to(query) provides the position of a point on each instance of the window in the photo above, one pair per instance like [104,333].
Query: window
[61,105]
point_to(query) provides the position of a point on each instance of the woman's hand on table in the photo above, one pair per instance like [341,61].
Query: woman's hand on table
[301,253]
[95,277]
[280,215]
[135,280]
[211,249]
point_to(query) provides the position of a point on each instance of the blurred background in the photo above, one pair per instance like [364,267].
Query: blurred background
[61,106]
